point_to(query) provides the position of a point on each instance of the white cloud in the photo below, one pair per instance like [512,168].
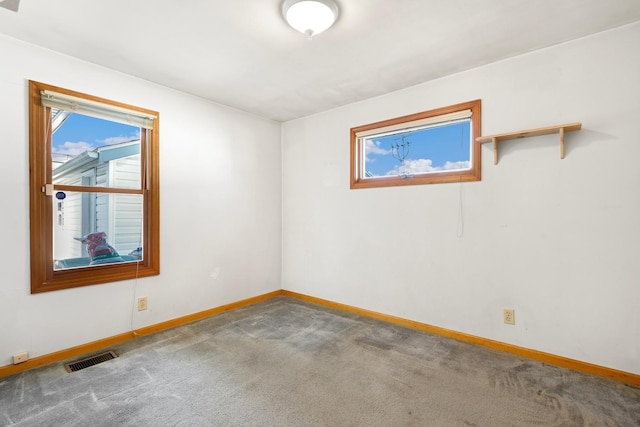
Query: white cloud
[118,139]
[70,148]
[412,167]
[73,148]
[371,147]
[456,165]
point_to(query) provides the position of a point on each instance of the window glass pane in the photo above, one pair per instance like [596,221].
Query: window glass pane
[415,151]
[94,152]
[96,228]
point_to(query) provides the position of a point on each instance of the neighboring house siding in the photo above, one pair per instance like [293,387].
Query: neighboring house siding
[128,222]
[118,215]
[103,201]
[68,219]
[67,226]
[102,175]
[126,172]
[126,210]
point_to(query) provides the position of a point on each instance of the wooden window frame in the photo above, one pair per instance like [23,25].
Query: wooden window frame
[472,174]
[44,277]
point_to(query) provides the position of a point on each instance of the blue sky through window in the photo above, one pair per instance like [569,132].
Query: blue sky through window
[80,133]
[431,149]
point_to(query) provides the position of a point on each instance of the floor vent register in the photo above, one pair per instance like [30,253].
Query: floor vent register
[90,361]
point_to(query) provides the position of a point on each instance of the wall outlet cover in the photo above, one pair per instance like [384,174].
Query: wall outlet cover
[509,316]
[20,357]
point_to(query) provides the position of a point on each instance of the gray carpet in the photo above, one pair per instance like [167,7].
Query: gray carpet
[285,362]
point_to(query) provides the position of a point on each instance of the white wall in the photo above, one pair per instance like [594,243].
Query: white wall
[557,240]
[220,209]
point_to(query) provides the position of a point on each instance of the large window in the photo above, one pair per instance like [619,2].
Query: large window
[94,195]
[424,148]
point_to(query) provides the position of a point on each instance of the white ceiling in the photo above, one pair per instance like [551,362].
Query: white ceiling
[242,54]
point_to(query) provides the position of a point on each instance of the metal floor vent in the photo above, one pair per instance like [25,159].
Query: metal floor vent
[90,361]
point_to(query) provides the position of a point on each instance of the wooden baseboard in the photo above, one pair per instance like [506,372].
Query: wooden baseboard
[552,359]
[94,346]
[202,314]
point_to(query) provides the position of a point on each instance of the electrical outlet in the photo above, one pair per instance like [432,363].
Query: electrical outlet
[509,316]
[142,303]
[20,357]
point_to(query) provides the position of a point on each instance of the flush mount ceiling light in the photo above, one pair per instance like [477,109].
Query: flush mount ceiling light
[310,17]
[10,4]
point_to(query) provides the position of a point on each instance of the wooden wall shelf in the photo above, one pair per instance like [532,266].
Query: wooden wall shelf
[499,137]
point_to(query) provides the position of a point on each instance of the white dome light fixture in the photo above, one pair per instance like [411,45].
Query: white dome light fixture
[310,17]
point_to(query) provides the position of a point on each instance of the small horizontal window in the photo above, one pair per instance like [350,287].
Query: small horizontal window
[430,147]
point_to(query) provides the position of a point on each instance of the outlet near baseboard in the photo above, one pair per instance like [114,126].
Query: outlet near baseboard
[509,316]
[142,303]
[20,357]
